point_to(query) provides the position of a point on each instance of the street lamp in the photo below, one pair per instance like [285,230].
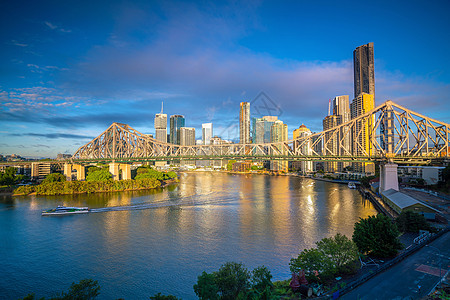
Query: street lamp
[440,262]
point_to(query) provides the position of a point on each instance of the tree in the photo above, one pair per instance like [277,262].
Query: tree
[99,175]
[8,177]
[340,249]
[261,280]
[86,289]
[163,297]
[377,235]
[311,261]
[206,287]
[365,180]
[231,279]
[230,164]
[54,177]
[409,221]
[333,255]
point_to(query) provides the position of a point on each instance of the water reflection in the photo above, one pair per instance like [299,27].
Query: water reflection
[206,219]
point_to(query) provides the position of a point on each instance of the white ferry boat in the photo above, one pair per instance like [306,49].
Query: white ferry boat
[351,185]
[65,210]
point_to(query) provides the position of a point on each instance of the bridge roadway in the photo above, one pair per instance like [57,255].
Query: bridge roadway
[412,278]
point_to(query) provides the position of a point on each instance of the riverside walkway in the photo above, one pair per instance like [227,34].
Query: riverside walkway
[402,281]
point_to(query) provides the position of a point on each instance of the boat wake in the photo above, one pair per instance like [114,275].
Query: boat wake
[141,206]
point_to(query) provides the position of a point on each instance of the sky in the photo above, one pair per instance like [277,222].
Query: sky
[69,69]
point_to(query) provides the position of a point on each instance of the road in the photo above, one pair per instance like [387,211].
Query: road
[402,281]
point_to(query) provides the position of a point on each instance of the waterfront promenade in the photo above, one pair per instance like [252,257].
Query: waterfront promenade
[403,280]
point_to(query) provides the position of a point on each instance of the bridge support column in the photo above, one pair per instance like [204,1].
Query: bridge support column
[114,170]
[388,177]
[68,172]
[126,171]
[81,173]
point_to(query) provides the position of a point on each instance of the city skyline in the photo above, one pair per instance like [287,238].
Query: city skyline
[63,80]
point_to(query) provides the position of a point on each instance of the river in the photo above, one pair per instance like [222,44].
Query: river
[139,243]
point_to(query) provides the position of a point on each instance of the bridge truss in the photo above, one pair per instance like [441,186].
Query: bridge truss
[388,132]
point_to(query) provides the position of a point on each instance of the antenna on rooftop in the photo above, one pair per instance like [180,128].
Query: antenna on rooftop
[162,106]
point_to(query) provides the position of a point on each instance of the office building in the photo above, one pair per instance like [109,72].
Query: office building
[207,133]
[176,122]
[363,134]
[341,109]
[244,123]
[364,72]
[279,133]
[261,129]
[161,126]
[304,148]
[187,136]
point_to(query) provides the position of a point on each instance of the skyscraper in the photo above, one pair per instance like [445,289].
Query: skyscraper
[261,129]
[244,123]
[207,133]
[341,109]
[363,134]
[161,126]
[279,133]
[363,66]
[176,122]
[187,136]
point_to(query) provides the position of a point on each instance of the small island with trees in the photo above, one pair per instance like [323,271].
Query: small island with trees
[98,179]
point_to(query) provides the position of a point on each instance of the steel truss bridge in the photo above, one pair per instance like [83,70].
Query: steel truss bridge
[389,132]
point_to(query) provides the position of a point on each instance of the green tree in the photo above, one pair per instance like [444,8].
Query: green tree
[206,287]
[311,261]
[163,297]
[54,177]
[99,175]
[340,249]
[231,279]
[230,164]
[377,235]
[365,181]
[8,177]
[261,279]
[86,289]
[409,221]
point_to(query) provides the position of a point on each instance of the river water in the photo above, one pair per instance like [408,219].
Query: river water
[139,243]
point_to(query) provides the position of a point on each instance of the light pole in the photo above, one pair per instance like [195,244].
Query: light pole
[440,262]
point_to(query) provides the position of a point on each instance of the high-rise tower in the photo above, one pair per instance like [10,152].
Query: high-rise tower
[279,133]
[244,123]
[364,74]
[176,122]
[161,126]
[187,136]
[207,133]
[363,131]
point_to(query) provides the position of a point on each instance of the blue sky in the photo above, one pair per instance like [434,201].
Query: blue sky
[70,68]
